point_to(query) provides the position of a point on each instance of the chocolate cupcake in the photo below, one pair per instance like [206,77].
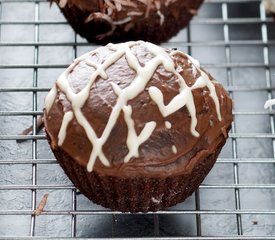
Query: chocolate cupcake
[105,21]
[136,127]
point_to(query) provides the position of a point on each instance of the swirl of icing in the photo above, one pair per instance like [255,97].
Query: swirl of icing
[144,73]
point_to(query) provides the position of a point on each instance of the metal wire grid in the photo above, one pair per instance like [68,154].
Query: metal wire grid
[235,160]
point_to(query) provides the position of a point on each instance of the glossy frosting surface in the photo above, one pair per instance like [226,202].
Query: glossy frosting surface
[135,109]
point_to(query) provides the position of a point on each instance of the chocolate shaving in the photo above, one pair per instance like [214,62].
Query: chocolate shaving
[110,4]
[41,205]
[98,16]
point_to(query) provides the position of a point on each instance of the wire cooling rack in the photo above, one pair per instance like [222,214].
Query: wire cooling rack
[233,39]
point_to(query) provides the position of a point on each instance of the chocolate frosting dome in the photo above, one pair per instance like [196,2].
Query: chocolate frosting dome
[135,109]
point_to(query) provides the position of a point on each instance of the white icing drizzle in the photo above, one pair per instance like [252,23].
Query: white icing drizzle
[137,86]
[174,149]
[134,141]
[168,125]
[49,100]
[68,116]
[184,98]
[203,81]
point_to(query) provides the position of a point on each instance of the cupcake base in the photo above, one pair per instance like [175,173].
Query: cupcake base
[137,194]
